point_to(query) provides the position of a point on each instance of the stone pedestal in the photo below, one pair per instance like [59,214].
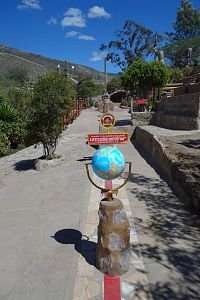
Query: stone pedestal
[113,248]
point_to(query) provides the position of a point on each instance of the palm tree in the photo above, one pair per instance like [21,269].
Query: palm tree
[7,112]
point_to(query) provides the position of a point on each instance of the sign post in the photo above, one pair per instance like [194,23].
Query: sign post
[106,100]
[113,245]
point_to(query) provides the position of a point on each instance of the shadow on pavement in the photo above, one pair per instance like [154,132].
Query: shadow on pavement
[195,144]
[85,158]
[123,123]
[25,165]
[85,247]
[96,147]
[174,244]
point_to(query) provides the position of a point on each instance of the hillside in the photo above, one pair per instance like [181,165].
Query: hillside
[37,65]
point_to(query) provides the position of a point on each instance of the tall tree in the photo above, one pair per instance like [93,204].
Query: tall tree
[86,88]
[53,94]
[132,43]
[114,84]
[186,35]
[144,76]
[20,99]
[187,24]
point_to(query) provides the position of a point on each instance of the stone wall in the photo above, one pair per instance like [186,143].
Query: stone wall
[180,112]
[187,89]
[141,118]
[161,156]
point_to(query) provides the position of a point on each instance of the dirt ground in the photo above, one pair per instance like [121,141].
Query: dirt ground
[184,151]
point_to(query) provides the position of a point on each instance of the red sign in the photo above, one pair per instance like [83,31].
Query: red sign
[107,120]
[107,139]
[141,101]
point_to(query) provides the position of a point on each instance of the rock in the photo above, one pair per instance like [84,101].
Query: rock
[115,243]
[113,249]
[119,216]
[42,164]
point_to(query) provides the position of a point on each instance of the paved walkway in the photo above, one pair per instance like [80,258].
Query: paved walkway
[45,214]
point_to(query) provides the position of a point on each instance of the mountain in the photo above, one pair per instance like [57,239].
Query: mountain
[37,65]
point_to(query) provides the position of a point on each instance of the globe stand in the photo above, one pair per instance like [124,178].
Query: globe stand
[113,245]
[108,191]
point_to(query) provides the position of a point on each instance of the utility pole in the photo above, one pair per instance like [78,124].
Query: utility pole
[105,74]
[155,46]
[65,69]
[106,97]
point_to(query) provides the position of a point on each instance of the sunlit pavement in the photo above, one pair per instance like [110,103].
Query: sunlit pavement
[46,218]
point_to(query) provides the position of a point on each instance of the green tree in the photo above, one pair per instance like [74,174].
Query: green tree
[86,88]
[4,149]
[144,76]
[175,75]
[14,133]
[132,43]
[99,90]
[114,84]
[53,95]
[11,128]
[187,24]
[186,34]
[176,52]
[20,99]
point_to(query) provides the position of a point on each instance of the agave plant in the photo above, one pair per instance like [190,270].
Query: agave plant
[7,112]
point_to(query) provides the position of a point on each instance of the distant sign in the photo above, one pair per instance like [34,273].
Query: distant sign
[141,101]
[107,120]
[105,97]
[108,138]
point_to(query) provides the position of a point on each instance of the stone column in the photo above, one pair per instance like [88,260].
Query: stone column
[113,248]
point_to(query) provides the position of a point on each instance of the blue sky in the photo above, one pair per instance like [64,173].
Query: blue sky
[74,29]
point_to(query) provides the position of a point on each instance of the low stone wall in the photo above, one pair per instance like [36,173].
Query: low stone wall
[158,151]
[180,112]
[187,89]
[142,118]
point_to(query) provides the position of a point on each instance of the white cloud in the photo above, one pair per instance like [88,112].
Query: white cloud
[53,21]
[98,12]
[74,17]
[29,4]
[98,56]
[71,34]
[73,12]
[86,37]
[76,34]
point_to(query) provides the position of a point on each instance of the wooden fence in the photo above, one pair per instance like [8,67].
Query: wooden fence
[73,113]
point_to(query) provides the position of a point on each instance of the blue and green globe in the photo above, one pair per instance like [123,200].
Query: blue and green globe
[108,163]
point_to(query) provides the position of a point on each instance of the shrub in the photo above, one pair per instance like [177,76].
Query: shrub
[4,144]
[53,94]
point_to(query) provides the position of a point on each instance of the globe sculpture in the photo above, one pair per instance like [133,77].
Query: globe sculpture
[108,163]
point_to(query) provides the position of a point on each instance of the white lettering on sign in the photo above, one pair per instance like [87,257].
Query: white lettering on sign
[112,138]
